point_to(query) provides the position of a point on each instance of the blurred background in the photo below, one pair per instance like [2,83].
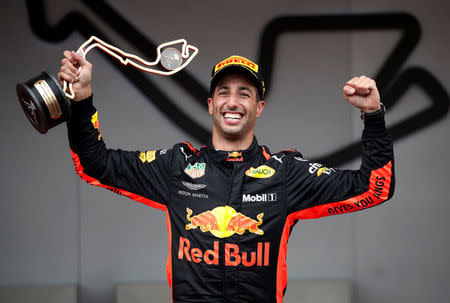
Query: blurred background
[55,230]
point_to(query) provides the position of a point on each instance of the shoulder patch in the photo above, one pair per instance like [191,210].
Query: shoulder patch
[148,156]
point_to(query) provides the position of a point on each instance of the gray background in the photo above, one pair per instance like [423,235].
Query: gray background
[56,230]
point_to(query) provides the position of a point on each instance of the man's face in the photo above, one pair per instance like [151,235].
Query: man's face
[234,106]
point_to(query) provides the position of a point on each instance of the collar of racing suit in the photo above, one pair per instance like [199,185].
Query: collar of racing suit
[235,156]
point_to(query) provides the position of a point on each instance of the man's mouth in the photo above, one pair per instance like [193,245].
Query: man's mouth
[233,117]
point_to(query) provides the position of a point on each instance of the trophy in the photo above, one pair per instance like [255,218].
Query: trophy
[46,104]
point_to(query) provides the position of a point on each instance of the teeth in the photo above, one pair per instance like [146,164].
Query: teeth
[232,116]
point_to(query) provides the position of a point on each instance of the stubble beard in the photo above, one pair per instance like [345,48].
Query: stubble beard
[232,133]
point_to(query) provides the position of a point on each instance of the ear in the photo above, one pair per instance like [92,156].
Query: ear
[210,106]
[259,108]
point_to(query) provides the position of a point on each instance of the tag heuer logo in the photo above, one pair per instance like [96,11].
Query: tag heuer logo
[195,171]
[262,171]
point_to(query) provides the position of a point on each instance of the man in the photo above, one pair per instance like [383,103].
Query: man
[232,204]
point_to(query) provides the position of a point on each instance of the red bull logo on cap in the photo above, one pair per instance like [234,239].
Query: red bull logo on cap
[224,221]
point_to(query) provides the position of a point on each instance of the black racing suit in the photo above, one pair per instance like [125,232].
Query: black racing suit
[230,214]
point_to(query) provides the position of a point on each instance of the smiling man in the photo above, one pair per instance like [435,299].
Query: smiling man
[234,105]
[231,205]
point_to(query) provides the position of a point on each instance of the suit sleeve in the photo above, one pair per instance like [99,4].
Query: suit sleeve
[141,176]
[315,191]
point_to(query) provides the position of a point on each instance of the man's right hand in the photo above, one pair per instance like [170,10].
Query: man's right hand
[78,71]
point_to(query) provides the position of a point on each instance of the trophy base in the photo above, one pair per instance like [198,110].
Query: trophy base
[44,102]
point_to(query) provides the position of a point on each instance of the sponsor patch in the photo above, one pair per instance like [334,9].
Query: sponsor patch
[319,169]
[148,156]
[96,124]
[261,172]
[195,171]
[270,197]
[151,155]
[236,60]
[235,157]
[193,186]
[142,157]
[195,195]
[224,221]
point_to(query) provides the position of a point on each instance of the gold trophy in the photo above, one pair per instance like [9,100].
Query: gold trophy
[46,104]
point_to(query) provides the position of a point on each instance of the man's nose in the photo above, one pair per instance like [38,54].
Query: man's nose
[233,101]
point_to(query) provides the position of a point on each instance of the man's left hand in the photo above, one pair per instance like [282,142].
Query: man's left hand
[362,93]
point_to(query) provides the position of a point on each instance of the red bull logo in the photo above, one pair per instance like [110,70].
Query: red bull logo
[235,157]
[224,221]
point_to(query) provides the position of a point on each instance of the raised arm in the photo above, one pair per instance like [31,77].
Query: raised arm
[315,191]
[141,176]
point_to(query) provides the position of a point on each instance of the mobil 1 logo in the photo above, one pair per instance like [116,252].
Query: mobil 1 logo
[270,197]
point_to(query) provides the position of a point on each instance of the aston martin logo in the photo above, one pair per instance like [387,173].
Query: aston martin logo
[193,186]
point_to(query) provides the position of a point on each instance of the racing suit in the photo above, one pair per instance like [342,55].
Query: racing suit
[230,214]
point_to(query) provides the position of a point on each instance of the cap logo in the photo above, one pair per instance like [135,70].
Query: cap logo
[237,60]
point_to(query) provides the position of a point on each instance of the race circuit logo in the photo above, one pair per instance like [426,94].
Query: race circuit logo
[224,221]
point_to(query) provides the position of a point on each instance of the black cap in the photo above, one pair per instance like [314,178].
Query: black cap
[237,64]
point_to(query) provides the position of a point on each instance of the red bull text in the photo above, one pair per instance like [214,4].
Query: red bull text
[222,222]
[233,256]
[235,157]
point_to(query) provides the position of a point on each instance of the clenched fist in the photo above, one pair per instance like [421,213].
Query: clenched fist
[362,93]
[76,70]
